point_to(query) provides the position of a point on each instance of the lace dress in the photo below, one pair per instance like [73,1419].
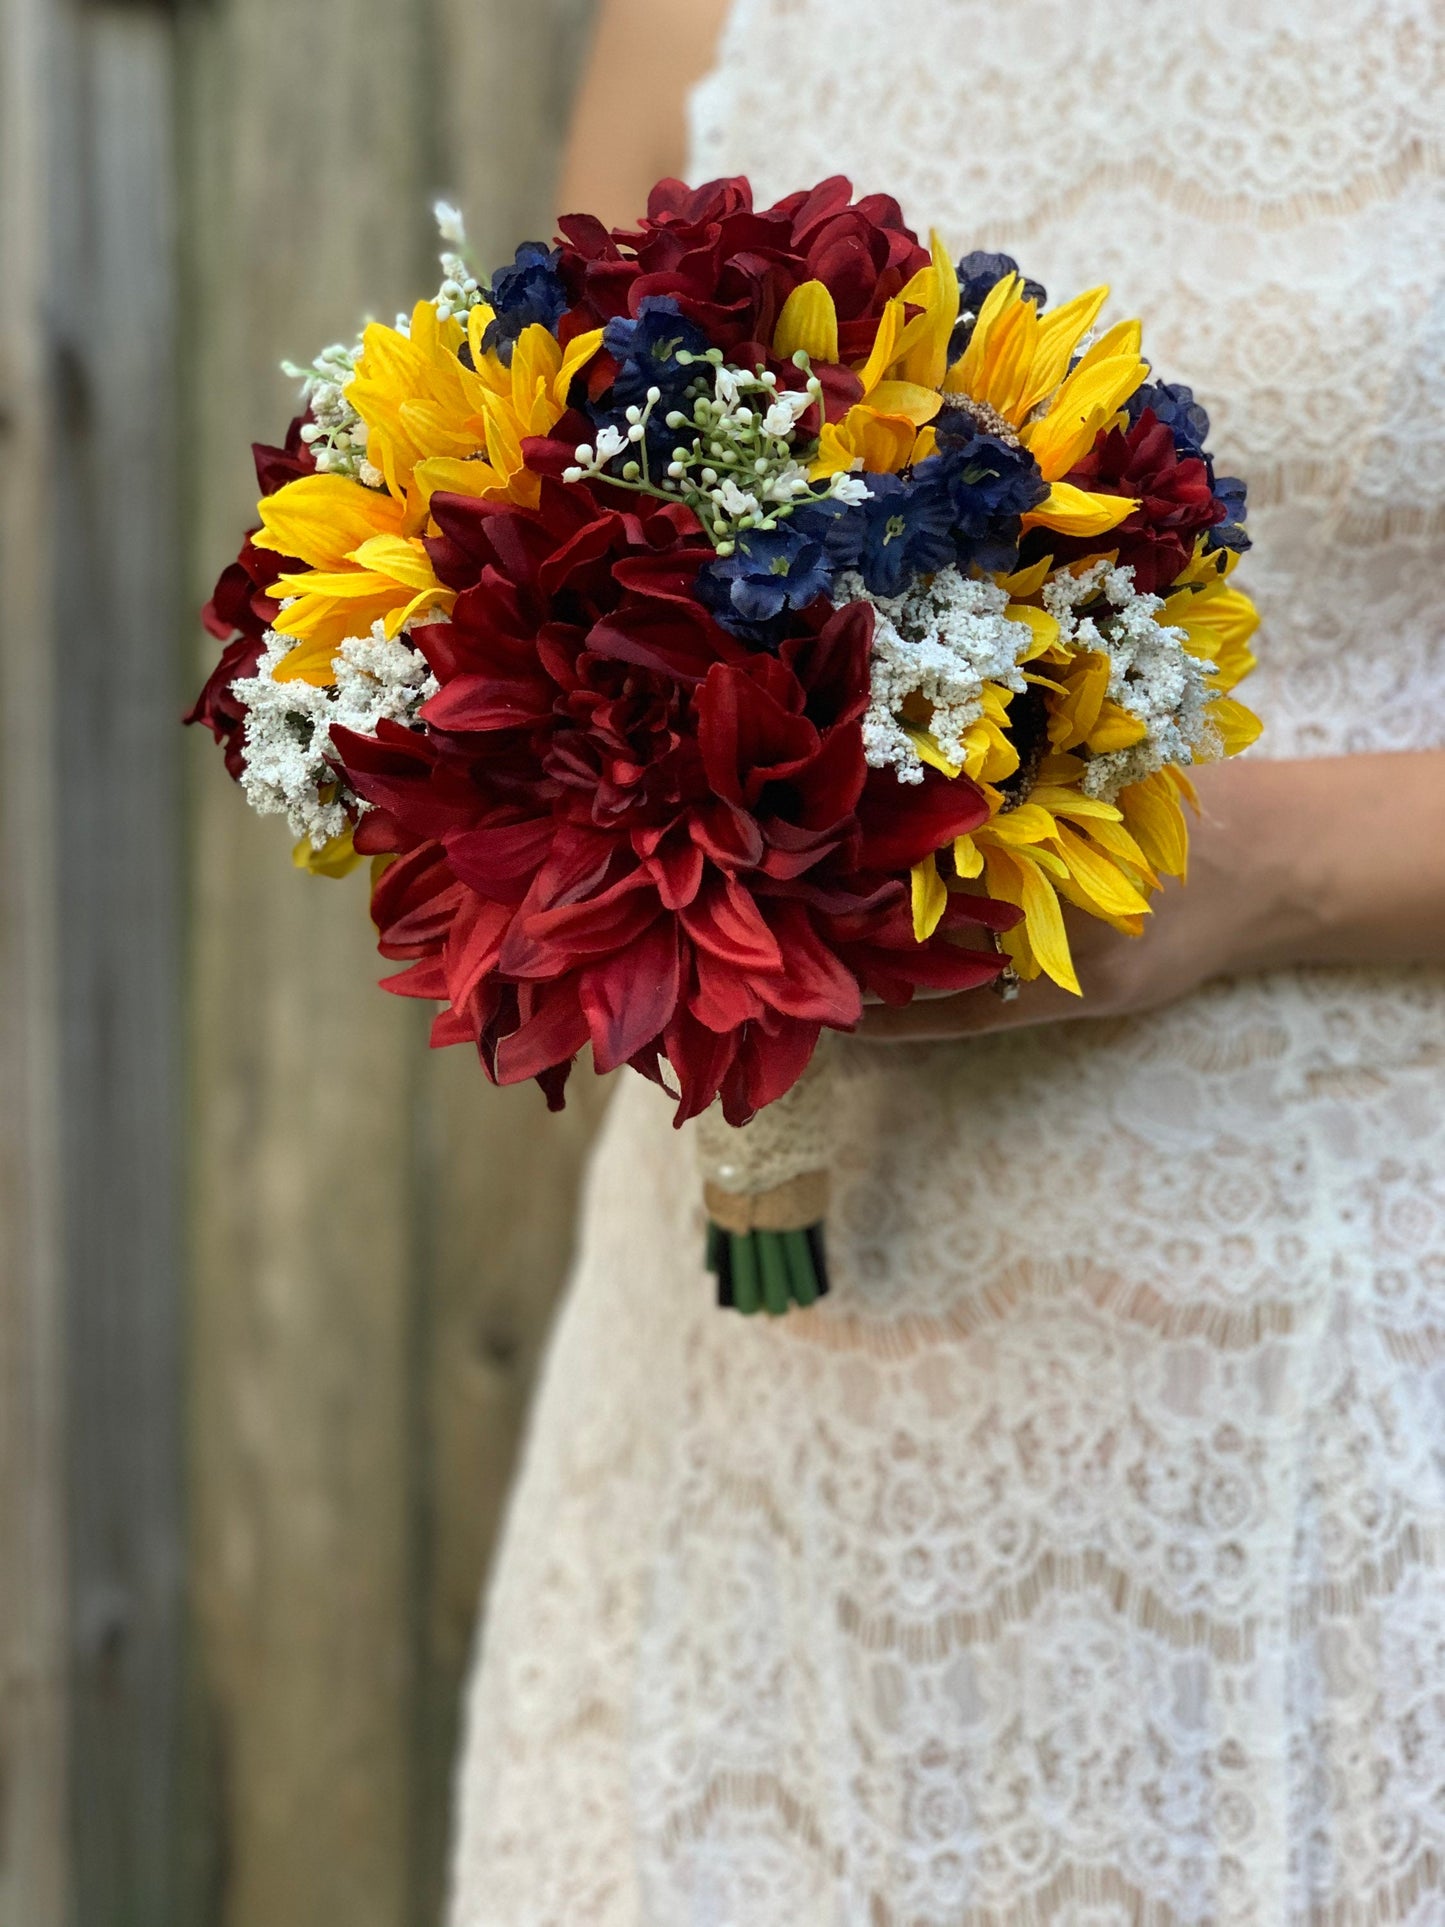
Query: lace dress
[1082,1558]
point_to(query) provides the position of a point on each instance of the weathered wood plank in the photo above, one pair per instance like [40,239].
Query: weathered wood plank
[304,155]
[33,1886]
[117,877]
[504,1175]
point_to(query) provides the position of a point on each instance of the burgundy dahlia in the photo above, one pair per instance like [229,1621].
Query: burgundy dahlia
[1176,502]
[730,267]
[621,828]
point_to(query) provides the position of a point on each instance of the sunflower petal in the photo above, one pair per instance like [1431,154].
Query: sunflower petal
[337,857]
[885,346]
[1045,628]
[1074,511]
[923,345]
[930,898]
[1045,944]
[967,857]
[1059,334]
[320,519]
[809,321]
[399,560]
[1026,824]
[1238,727]
[1156,820]
[929,752]
[1098,878]
[916,404]
[966,374]
[1117,728]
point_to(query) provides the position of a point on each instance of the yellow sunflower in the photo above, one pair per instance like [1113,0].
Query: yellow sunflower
[433,423]
[360,568]
[1017,364]
[1059,845]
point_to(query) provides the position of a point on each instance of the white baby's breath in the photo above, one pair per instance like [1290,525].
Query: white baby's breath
[287,741]
[734,461]
[460,290]
[336,434]
[1152,673]
[941,640]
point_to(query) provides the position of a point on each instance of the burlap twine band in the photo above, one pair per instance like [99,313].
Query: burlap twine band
[792,1206]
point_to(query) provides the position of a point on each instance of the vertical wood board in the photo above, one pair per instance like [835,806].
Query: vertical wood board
[33,1883]
[111,322]
[302,146]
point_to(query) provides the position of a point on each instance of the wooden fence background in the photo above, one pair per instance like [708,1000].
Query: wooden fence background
[273,1279]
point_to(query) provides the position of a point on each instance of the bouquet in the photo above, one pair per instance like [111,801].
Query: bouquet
[707,627]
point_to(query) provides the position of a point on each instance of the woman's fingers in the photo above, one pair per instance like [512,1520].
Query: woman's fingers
[971,1013]
[1107,963]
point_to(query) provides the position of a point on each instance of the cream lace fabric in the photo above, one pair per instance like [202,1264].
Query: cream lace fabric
[1082,1559]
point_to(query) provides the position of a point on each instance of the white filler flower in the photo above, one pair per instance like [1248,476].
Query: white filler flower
[287,742]
[1152,674]
[941,640]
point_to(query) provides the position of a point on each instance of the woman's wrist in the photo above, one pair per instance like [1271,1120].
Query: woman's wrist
[1326,860]
[1252,871]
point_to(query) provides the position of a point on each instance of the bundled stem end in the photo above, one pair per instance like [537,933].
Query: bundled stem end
[766,1247]
[767,1270]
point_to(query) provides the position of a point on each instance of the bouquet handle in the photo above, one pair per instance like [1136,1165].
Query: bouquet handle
[766,1188]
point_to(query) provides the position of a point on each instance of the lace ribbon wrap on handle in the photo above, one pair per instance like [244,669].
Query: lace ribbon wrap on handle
[766,1190]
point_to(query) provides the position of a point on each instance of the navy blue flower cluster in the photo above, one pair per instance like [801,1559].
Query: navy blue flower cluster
[961,508]
[645,348]
[528,291]
[979,273]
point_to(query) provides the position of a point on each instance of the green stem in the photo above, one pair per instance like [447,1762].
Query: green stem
[767,1270]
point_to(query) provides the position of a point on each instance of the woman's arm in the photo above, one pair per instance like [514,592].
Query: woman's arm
[629,127]
[1331,860]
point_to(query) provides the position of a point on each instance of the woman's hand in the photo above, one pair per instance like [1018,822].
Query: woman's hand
[1332,860]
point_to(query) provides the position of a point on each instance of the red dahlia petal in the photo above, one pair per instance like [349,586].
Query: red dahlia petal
[745,732]
[726,921]
[700,1059]
[813,982]
[629,997]
[677,865]
[499,860]
[474,943]
[721,996]
[670,639]
[551,1031]
[769,1062]
[545,943]
[905,822]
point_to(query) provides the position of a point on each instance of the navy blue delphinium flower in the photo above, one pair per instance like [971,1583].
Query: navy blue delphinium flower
[1188,421]
[837,526]
[645,347]
[770,574]
[1230,533]
[977,273]
[990,484]
[528,291]
[903,530]
[1174,405]
[961,506]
